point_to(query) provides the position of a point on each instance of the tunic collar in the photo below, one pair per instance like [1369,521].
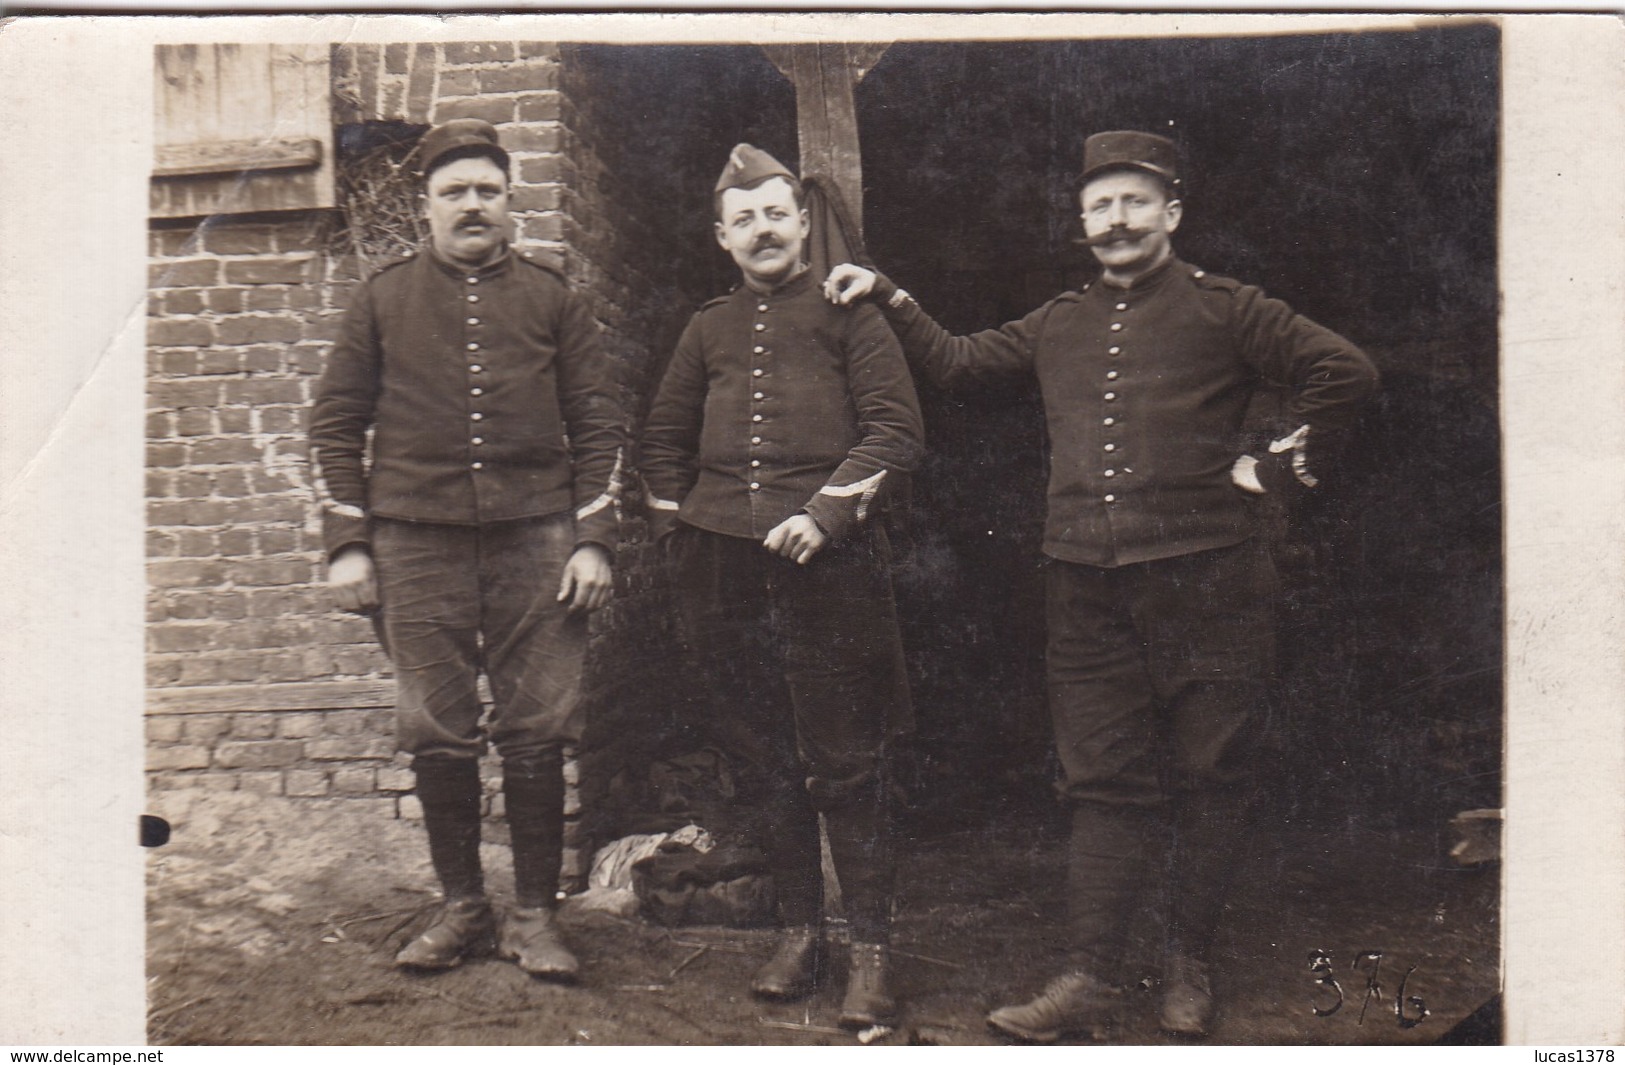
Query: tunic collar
[793,287]
[456,269]
[1149,280]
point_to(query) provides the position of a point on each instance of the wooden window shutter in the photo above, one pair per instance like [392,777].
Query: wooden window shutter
[241,128]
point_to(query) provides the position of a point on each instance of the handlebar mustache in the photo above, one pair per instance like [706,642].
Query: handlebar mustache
[1109,236]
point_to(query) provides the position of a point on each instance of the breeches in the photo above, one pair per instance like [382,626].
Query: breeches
[1159,672]
[459,600]
[800,659]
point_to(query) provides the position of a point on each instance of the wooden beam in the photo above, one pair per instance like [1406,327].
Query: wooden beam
[825,76]
[225,157]
[862,57]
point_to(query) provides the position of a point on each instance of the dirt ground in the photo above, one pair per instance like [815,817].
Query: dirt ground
[273,922]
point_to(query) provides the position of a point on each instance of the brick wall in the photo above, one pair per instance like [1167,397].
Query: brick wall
[255,683]
[241,636]
[241,316]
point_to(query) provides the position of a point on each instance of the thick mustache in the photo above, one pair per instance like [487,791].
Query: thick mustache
[473,220]
[1111,235]
[763,243]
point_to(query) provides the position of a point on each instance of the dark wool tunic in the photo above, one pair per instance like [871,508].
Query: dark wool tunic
[1145,389]
[776,404]
[488,395]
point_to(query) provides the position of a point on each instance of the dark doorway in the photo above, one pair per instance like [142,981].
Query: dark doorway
[663,119]
[1353,175]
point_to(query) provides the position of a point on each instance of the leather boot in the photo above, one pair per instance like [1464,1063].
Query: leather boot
[530,936]
[1187,996]
[868,1002]
[1110,851]
[1211,839]
[793,970]
[449,789]
[464,928]
[1074,1004]
[860,848]
[533,797]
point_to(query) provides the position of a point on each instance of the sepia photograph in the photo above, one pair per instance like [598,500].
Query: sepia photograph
[915,532]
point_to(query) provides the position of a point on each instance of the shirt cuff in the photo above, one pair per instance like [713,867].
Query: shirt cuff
[344,526]
[837,508]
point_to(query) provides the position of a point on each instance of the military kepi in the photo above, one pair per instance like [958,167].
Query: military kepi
[1131,148]
[748,166]
[464,133]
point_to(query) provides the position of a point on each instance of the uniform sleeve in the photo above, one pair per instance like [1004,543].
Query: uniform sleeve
[346,400]
[891,433]
[589,400]
[671,435]
[1329,376]
[955,361]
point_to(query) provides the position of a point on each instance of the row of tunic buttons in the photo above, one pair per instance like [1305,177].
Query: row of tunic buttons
[474,368]
[1111,397]
[756,418]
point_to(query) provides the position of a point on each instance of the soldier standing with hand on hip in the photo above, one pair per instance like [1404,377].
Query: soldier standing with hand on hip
[779,427]
[1160,592]
[481,526]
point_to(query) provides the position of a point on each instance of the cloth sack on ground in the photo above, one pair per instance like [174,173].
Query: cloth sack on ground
[609,882]
[728,885]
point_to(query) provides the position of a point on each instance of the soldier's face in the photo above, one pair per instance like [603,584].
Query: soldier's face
[467,208]
[1135,205]
[763,230]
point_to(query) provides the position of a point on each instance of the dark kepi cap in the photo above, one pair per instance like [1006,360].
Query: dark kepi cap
[747,166]
[1131,148]
[466,133]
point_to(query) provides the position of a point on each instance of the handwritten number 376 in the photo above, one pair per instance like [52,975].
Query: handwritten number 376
[1330,992]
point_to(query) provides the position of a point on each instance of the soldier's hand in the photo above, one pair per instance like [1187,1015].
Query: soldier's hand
[797,538]
[589,579]
[848,283]
[354,580]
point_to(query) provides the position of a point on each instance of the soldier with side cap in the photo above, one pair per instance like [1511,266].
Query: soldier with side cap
[776,433]
[480,525]
[1160,589]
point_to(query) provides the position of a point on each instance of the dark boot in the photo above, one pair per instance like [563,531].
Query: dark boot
[1187,996]
[449,789]
[464,928]
[868,1001]
[533,795]
[793,970]
[1110,851]
[860,848]
[790,843]
[1073,1004]
[1210,830]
